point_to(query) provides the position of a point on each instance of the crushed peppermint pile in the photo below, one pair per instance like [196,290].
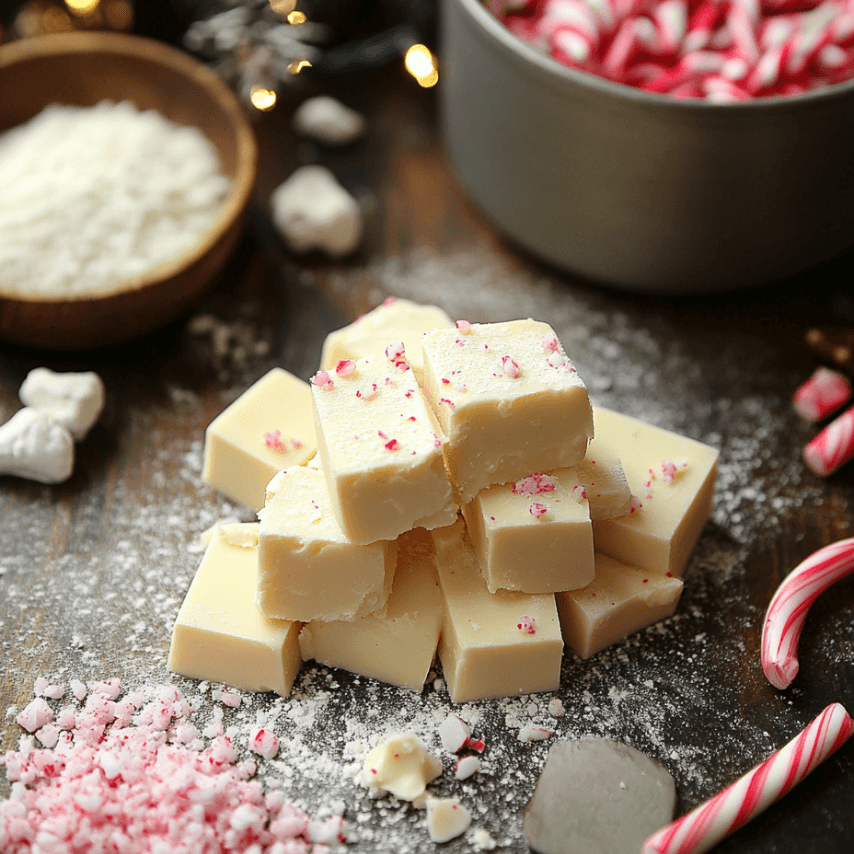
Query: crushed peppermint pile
[718,50]
[132,774]
[93,196]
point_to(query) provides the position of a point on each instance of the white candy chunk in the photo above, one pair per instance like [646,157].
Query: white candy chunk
[35,447]
[327,120]
[453,731]
[74,400]
[466,767]
[313,211]
[530,732]
[447,819]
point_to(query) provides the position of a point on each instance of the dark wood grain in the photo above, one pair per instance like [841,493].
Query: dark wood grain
[94,569]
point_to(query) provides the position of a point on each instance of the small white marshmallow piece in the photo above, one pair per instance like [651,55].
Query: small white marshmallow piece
[313,211]
[35,447]
[73,400]
[447,819]
[328,121]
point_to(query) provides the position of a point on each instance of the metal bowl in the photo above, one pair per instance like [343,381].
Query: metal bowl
[641,191]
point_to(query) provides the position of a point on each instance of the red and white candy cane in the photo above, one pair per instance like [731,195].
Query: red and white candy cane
[825,391]
[708,824]
[785,616]
[833,447]
[764,47]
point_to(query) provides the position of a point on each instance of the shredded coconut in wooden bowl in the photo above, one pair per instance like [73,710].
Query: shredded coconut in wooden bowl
[93,196]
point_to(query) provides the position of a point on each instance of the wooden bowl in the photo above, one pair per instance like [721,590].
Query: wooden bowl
[82,69]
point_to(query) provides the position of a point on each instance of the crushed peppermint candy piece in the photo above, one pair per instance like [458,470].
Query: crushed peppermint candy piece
[322,380]
[671,470]
[345,368]
[273,439]
[463,326]
[510,367]
[454,733]
[110,689]
[264,743]
[556,708]
[395,352]
[636,504]
[535,484]
[36,714]
[550,342]
[466,766]
[538,510]
[527,625]
[227,698]
[530,732]
[476,744]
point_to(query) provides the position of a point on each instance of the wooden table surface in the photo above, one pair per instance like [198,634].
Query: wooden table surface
[92,571]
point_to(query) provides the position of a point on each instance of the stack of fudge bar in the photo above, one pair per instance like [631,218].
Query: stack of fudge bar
[437,487]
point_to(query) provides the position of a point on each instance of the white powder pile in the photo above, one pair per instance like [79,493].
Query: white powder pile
[94,196]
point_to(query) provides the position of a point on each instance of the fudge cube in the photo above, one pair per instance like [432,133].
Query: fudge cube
[219,633]
[394,320]
[621,600]
[396,644]
[268,428]
[604,481]
[533,535]
[672,479]
[492,644]
[380,449]
[307,567]
[508,399]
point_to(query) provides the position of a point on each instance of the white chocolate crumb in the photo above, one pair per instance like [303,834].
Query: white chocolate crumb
[482,841]
[313,211]
[556,708]
[402,766]
[328,121]
[447,819]
[74,400]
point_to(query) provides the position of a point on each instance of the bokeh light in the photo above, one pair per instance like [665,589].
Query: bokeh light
[421,64]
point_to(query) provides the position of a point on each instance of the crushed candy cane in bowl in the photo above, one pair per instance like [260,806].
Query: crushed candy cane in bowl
[659,146]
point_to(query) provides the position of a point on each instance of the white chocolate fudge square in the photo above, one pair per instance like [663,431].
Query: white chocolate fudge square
[394,320]
[268,428]
[533,535]
[621,600]
[492,644]
[219,633]
[672,479]
[396,644]
[602,476]
[307,568]
[508,399]
[380,449]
